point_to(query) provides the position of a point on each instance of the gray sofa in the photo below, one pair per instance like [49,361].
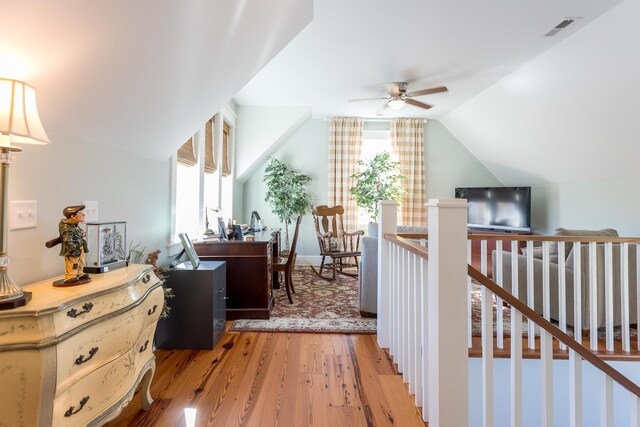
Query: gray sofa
[368,272]
[569,255]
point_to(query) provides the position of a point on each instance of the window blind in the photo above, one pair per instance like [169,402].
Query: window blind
[226,168]
[186,154]
[209,153]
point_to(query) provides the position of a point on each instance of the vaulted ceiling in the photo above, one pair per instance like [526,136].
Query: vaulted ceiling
[141,75]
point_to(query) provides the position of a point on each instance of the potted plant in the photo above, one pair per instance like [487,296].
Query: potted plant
[286,193]
[378,179]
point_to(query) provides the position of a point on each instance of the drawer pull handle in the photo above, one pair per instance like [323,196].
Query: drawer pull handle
[144,347]
[221,290]
[73,313]
[146,278]
[152,309]
[80,360]
[72,409]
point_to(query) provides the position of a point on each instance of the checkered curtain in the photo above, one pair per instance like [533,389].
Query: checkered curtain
[345,144]
[407,144]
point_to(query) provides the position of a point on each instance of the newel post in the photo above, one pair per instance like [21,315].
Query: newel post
[447,313]
[387,224]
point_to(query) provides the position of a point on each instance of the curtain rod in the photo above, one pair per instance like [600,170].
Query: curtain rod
[326,119]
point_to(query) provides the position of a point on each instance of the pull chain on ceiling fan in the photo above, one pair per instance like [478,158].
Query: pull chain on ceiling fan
[398,96]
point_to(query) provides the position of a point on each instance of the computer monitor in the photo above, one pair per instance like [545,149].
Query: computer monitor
[237,232]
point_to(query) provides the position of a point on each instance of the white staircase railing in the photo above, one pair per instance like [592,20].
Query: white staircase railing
[423,319]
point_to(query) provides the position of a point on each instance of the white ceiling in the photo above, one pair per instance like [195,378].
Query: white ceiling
[351,48]
[140,75]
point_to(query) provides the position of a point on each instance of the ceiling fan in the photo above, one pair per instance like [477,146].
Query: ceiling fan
[398,96]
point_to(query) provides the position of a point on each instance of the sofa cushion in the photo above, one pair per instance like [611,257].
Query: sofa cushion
[553,248]
[537,253]
[414,229]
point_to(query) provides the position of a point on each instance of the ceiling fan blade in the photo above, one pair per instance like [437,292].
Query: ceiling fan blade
[365,99]
[428,91]
[418,104]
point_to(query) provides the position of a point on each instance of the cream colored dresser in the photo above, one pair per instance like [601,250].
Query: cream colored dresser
[74,356]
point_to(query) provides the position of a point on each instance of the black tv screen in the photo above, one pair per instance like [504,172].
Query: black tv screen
[498,208]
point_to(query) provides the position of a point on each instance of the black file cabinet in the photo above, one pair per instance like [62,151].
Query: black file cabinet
[198,311]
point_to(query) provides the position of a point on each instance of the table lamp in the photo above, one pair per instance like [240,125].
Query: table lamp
[19,123]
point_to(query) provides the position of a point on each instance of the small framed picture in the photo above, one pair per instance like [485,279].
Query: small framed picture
[190,250]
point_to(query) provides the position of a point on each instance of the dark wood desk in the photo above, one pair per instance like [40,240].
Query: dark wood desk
[249,272]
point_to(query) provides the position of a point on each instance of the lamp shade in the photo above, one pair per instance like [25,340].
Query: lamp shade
[19,120]
[396,103]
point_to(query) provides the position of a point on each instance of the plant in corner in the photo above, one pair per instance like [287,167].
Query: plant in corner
[286,193]
[378,179]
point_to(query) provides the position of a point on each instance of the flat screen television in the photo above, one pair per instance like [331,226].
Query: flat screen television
[497,208]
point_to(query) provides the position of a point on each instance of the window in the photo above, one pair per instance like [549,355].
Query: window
[203,179]
[374,141]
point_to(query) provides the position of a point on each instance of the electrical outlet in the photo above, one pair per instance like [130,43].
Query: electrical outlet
[23,214]
[91,211]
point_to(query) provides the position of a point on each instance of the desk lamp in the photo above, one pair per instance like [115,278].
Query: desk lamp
[19,123]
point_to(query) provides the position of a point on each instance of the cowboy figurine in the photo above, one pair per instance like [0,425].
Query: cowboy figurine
[74,245]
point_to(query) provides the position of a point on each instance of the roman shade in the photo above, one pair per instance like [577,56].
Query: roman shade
[186,154]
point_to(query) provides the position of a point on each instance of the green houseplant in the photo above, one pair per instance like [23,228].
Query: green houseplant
[286,193]
[378,179]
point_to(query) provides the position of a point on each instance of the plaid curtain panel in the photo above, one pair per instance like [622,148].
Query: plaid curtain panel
[407,144]
[345,144]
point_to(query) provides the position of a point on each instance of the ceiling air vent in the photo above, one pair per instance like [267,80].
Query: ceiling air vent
[561,26]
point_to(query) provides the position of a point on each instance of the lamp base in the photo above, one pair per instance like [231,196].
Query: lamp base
[15,303]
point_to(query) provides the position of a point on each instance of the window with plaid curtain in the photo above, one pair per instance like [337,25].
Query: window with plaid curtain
[407,144]
[345,144]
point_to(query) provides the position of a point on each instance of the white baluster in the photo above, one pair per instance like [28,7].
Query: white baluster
[469,301]
[575,389]
[487,356]
[398,311]
[499,315]
[530,299]
[516,345]
[593,296]
[546,343]
[577,292]
[608,293]
[562,292]
[424,368]
[546,294]
[417,330]
[483,257]
[635,412]
[403,349]
[411,321]
[606,401]
[624,296]
[638,291]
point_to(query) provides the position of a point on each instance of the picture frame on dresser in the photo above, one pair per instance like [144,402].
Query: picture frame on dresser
[189,250]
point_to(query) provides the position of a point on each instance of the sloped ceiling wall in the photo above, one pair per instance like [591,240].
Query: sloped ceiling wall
[141,75]
[569,115]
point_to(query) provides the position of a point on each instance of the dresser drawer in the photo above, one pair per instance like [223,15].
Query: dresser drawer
[105,341]
[95,393]
[93,308]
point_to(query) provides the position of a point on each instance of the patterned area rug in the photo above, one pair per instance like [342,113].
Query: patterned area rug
[476,320]
[318,306]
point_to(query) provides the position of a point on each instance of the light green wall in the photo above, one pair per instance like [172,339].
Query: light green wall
[68,171]
[306,151]
[589,205]
[448,164]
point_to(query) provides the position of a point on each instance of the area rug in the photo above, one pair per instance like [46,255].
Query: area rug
[319,306]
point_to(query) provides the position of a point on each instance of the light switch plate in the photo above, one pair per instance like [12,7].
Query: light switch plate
[90,211]
[23,214]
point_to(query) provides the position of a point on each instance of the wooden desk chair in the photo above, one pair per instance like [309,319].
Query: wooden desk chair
[286,264]
[334,241]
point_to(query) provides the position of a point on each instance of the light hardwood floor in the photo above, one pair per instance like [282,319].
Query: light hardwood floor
[278,379]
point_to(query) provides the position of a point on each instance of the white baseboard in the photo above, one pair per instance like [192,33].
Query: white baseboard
[308,259]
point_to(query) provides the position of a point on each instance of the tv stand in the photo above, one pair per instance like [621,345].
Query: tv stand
[476,251]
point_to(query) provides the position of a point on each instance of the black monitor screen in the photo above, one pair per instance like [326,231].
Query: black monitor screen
[499,208]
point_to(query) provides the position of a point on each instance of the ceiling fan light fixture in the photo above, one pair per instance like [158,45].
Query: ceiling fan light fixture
[396,103]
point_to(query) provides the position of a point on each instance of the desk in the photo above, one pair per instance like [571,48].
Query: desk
[249,272]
